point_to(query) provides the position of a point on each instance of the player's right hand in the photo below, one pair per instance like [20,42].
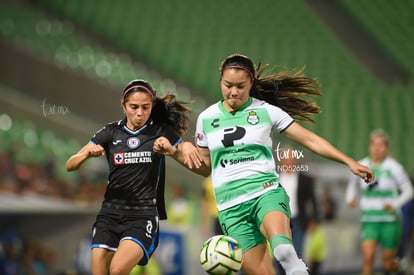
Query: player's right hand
[95,150]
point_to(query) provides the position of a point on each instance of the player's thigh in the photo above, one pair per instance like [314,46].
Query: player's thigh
[370,231]
[257,261]
[101,259]
[128,254]
[390,235]
[275,223]
[238,222]
[273,213]
[368,248]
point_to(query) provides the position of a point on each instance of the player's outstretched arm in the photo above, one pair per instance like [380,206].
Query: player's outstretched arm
[88,151]
[193,158]
[323,148]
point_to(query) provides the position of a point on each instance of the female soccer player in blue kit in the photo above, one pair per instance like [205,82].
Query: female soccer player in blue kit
[126,229]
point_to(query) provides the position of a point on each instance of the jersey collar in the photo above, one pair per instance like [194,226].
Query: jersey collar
[245,105]
[123,121]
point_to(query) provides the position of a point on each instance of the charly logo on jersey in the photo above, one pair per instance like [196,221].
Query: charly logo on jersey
[253,118]
[215,123]
[133,142]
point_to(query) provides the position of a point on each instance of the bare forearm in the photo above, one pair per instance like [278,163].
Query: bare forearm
[316,144]
[325,149]
[191,163]
[203,170]
[88,151]
[75,161]
[191,157]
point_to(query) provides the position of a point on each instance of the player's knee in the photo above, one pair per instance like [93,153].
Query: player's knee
[390,265]
[259,269]
[369,258]
[116,269]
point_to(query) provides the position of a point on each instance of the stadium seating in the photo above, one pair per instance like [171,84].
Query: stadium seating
[391,24]
[170,42]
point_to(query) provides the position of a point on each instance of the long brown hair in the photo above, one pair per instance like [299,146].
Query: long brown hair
[287,90]
[166,109]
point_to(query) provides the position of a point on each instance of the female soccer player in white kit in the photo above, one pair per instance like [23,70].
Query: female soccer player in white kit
[380,203]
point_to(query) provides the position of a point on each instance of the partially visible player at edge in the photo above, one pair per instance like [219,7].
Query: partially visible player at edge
[380,204]
[126,229]
[234,142]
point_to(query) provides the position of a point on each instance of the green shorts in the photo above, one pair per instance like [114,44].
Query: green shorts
[388,234]
[242,222]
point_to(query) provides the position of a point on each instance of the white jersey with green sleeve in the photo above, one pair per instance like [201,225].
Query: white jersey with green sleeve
[391,186]
[240,147]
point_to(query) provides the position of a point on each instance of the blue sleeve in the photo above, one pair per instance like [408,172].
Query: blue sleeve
[171,135]
[102,137]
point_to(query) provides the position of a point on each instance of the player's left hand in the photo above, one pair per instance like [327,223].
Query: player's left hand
[163,146]
[191,155]
[388,207]
[362,171]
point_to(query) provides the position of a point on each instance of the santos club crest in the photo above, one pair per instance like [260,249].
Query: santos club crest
[253,118]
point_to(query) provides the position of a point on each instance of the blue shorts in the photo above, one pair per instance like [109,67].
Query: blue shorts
[112,227]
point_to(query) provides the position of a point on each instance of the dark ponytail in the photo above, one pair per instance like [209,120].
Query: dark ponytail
[168,110]
[287,90]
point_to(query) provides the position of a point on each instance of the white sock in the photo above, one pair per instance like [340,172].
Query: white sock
[287,257]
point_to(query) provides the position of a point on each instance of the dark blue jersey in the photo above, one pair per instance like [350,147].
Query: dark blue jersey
[136,173]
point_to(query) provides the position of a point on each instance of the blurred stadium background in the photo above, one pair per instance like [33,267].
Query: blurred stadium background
[64,63]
